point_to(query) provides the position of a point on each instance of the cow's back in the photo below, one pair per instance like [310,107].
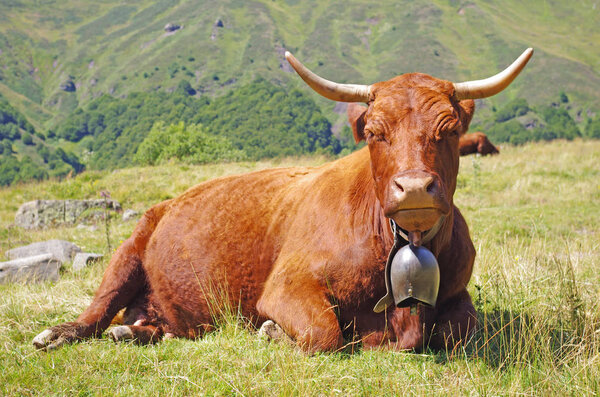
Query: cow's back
[219,241]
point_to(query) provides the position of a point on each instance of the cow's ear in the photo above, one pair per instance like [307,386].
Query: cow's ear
[467,108]
[356,118]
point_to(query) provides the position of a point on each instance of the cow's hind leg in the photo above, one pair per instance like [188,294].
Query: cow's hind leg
[123,280]
[139,323]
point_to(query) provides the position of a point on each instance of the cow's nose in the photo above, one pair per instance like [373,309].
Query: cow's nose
[416,189]
[414,185]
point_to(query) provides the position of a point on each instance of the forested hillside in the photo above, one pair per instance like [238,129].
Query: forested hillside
[92,78]
[24,154]
[259,120]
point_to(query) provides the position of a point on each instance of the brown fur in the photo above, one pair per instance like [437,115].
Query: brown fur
[305,247]
[476,142]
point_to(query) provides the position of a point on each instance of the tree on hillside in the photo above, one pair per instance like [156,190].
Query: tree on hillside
[260,119]
[515,108]
[511,131]
[559,124]
[592,128]
[187,143]
[268,121]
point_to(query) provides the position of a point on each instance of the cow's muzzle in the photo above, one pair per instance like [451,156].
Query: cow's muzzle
[416,200]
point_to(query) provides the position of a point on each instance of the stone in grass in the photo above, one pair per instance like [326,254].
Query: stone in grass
[83,259]
[31,269]
[62,250]
[50,213]
[171,27]
[129,215]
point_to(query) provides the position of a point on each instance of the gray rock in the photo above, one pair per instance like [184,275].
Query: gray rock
[68,86]
[216,26]
[91,228]
[61,250]
[171,27]
[31,269]
[129,215]
[46,213]
[83,259]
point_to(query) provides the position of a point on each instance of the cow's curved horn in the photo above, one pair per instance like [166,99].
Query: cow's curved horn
[491,86]
[329,89]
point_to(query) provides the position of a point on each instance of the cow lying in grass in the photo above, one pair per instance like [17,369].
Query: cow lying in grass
[476,142]
[306,247]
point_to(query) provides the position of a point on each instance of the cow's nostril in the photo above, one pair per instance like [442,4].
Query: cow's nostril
[399,185]
[431,186]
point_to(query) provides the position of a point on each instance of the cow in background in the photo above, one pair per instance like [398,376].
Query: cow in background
[306,247]
[476,142]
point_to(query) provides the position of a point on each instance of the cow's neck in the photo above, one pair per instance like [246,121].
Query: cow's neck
[371,215]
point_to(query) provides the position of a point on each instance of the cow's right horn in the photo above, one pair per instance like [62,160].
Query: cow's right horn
[492,85]
[330,89]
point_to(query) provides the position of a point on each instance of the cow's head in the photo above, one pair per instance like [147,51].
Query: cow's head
[486,147]
[412,126]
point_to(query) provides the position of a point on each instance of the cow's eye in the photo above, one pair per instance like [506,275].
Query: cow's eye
[449,127]
[370,136]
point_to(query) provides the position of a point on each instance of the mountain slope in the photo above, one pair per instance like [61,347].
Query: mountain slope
[108,47]
[94,77]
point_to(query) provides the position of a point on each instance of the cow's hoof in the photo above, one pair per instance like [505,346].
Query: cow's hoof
[48,340]
[272,331]
[54,337]
[121,333]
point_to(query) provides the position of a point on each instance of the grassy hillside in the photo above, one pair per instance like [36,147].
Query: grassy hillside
[108,47]
[59,59]
[534,215]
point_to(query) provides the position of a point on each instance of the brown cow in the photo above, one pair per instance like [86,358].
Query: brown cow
[476,142]
[306,247]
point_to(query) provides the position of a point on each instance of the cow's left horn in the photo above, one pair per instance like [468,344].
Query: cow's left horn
[491,86]
[329,89]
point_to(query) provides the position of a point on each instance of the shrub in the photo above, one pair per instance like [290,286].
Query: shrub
[592,128]
[515,108]
[27,139]
[559,124]
[190,144]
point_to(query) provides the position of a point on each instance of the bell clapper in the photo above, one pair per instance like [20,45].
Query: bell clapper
[414,238]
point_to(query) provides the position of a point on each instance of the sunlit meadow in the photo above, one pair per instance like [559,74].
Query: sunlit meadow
[534,215]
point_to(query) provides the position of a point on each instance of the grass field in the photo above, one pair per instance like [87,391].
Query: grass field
[534,215]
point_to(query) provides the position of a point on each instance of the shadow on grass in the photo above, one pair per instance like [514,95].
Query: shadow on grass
[512,339]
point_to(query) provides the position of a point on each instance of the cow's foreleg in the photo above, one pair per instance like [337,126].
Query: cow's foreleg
[455,322]
[304,313]
[123,280]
